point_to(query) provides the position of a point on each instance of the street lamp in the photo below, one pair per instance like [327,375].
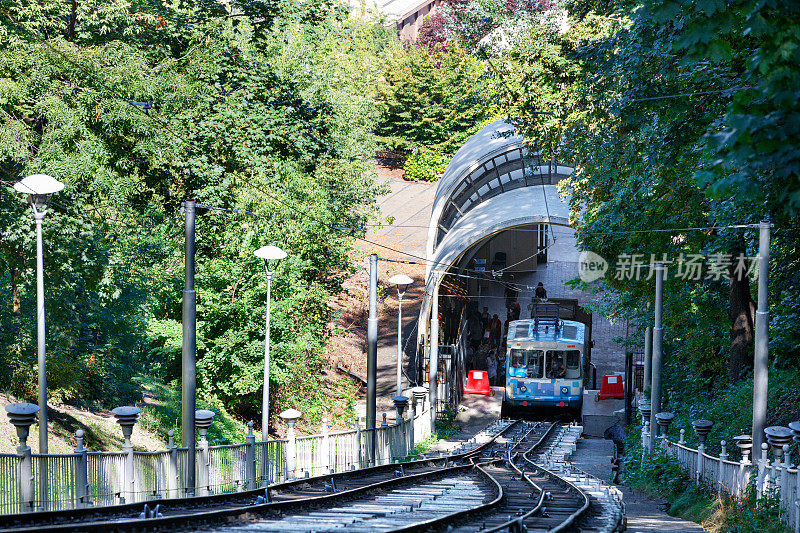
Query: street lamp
[402,282]
[39,187]
[275,254]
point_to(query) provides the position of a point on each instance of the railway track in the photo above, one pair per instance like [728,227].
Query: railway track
[494,483]
[125,517]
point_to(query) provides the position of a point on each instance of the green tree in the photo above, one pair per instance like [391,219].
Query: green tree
[436,99]
[265,108]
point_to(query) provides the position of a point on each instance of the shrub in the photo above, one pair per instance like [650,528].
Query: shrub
[425,165]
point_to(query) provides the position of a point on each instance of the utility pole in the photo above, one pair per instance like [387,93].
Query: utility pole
[648,357]
[372,351]
[658,339]
[433,365]
[189,353]
[761,359]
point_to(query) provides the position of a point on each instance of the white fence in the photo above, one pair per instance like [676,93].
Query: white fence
[31,482]
[778,477]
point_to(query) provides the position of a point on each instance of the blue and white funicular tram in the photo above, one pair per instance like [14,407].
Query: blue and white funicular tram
[543,366]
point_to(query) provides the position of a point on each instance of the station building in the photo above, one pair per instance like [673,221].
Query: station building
[498,227]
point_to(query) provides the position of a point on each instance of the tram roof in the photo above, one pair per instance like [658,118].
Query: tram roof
[524,330]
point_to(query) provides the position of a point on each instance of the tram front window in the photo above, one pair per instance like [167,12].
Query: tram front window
[563,364]
[531,361]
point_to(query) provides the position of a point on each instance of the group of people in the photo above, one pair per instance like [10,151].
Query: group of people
[487,334]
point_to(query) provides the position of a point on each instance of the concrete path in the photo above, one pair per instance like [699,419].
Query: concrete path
[408,207]
[644,514]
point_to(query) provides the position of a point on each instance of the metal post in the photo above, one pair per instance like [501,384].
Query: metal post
[250,457]
[81,472]
[648,358]
[265,397]
[42,359]
[38,216]
[761,359]
[372,353]
[658,338]
[399,341]
[433,364]
[628,386]
[189,354]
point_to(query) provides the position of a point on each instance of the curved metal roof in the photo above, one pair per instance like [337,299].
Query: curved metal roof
[495,137]
[492,162]
[492,184]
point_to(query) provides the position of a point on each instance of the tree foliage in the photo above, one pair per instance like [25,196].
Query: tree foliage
[262,107]
[676,114]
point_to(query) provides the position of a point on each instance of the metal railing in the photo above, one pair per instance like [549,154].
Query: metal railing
[84,479]
[778,477]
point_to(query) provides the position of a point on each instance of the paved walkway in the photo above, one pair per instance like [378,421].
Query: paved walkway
[408,206]
[644,514]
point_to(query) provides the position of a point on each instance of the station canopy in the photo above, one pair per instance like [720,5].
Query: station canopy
[492,184]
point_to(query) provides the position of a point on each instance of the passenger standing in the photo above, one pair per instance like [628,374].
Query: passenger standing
[491,368]
[517,310]
[485,317]
[541,292]
[496,328]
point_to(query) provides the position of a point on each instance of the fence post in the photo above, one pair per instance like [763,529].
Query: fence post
[172,475]
[290,416]
[745,444]
[126,417]
[400,403]
[81,472]
[358,443]
[785,491]
[384,454]
[202,421]
[762,470]
[326,446]
[723,456]
[419,394]
[250,457]
[701,428]
[21,416]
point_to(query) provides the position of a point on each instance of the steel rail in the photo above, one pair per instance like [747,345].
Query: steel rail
[445,520]
[83,517]
[171,523]
[575,515]
[540,502]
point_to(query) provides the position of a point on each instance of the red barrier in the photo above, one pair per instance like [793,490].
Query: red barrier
[478,383]
[611,387]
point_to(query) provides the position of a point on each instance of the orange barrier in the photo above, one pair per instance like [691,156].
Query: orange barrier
[478,383]
[611,387]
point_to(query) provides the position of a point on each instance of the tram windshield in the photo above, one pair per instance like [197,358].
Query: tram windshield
[564,364]
[529,361]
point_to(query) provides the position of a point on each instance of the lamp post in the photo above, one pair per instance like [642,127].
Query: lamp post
[39,187]
[401,281]
[275,254]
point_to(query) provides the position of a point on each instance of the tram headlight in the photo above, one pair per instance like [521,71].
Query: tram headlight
[523,389]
